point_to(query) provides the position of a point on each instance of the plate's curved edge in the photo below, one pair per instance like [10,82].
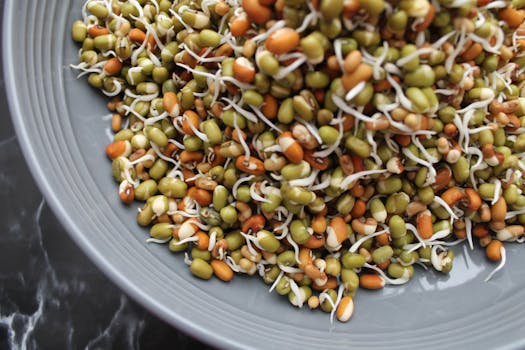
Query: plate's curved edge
[124,284]
[100,261]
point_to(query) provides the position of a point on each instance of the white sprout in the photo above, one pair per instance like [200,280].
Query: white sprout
[326,152]
[159,153]
[187,259]
[356,176]
[283,72]
[299,297]
[339,102]
[305,182]
[265,120]
[413,229]
[322,185]
[231,263]
[444,204]
[356,90]
[278,25]
[248,115]
[239,182]
[468,230]
[500,265]
[295,248]
[158,241]
[289,269]
[451,59]
[497,191]
[423,51]
[396,281]
[274,284]
[360,241]
[256,196]
[244,145]
[431,171]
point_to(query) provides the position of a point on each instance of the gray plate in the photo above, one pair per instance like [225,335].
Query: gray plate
[62,130]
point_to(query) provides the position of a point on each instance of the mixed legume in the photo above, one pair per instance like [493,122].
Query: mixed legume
[324,145]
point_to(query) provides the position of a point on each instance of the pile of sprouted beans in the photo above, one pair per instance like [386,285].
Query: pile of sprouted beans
[323,145]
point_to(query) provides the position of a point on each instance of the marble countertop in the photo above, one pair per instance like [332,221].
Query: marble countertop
[51,295]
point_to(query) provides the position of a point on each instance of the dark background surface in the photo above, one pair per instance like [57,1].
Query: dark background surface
[51,295]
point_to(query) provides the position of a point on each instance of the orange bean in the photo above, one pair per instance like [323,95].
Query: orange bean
[126,192]
[352,61]
[331,283]
[363,72]
[383,265]
[493,250]
[315,241]
[116,122]
[282,41]
[190,117]
[270,107]
[472,52]
[371,281]
[319,224]
[452,196]
[221,8]
[203,240]
[460,233]
[305,257]
[443,177]
[113,66]
[514,18]
[97,30]
[191,156]
[383,239]
[118,149]
[254,223]
[348,122]
[290,147]
[357,191]
[424,224]
[315,162]
[378,124]
[256,12]
[450,129]
[243,70]
[384,85]
[359,209]
[203,197]
[351,7]
[429,17]
[514,122]
[337,231]
[473,199]
[251,165]
[137,35]
[345,309]
[403,140]
[480,231]
[224,50]
[218,158]
[221,270]
[499,210]
[313,272]
[151,43]
[239,26]
[171,105]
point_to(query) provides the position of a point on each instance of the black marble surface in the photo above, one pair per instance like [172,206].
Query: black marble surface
[51,295]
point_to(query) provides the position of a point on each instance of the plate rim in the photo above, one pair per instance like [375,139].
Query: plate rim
[124,283]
